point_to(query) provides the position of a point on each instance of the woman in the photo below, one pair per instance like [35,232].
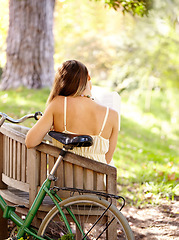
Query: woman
[71,109]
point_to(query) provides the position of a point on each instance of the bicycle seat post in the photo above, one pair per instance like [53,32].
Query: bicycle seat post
[51,176]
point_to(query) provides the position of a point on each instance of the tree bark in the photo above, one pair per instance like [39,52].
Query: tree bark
[30,44]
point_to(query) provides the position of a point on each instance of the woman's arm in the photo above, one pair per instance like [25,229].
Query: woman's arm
[114,136]
[36,134]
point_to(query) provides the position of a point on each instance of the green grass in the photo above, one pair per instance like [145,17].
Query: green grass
[147,153]
[17,103]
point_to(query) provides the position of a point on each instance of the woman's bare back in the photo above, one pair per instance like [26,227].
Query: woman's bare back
[83,116]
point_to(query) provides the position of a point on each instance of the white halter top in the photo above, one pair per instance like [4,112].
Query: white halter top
[100,145]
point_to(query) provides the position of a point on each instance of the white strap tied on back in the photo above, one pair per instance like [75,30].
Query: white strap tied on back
[65,113]
[104,122]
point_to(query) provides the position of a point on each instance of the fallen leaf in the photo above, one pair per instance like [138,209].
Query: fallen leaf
[171,176]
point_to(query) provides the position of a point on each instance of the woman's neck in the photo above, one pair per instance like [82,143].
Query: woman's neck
[87,91]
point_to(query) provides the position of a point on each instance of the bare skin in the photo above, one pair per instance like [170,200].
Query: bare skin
[84,116]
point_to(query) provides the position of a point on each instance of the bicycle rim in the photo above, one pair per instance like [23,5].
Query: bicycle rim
[87,210]
[14,231]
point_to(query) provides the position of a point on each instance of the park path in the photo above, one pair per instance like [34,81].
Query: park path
[155,222]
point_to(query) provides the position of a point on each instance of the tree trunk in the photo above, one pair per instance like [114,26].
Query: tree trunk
[30,44]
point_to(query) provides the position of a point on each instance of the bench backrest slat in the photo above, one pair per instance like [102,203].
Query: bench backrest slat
[24,169]
[78,181]
[19,157]
[43,167]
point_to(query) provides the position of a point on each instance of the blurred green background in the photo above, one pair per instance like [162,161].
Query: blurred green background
[138,58]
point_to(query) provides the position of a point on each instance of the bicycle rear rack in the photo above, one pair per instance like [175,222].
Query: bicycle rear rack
[82,191]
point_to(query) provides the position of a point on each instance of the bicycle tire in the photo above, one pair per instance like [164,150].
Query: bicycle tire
[53,227]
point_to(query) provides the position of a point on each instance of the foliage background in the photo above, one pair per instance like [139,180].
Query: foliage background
[138,58]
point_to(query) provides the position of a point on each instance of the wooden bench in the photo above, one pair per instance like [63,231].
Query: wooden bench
[22,171]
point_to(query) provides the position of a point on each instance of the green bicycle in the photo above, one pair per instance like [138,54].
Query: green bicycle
[87,215]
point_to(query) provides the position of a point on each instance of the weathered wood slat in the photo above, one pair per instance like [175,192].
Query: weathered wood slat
[43,167]
[100,182]
[60,175]
[15,199]
[2,185]
[6,149]
[19,150]
[111,185]
[14,183]
[14,160]
[3,222]
[68,171]
[3,152]
[11,133]
[22,198]
[23,163]
[51,161]
[11,157]
[78,178]
[33,160]
[89,164]
[19,129]
[88,179]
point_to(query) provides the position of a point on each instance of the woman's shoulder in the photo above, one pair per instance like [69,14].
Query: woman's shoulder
[56,103]
[112,112]
[113,117]
[57,99]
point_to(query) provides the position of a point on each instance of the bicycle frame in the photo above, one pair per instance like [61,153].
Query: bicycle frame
[24,225]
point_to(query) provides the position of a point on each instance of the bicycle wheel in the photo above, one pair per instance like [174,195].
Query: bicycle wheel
[14,231]
[87,210]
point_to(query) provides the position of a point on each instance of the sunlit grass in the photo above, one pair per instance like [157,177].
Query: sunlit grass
[17,103]
[147,153]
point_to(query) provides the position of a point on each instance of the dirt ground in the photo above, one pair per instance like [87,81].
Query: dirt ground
[160,222]
[154,223]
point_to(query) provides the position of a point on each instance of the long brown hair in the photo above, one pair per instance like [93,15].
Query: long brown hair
[70,80]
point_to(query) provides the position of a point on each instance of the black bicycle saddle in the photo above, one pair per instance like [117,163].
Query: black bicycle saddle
[72,140]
